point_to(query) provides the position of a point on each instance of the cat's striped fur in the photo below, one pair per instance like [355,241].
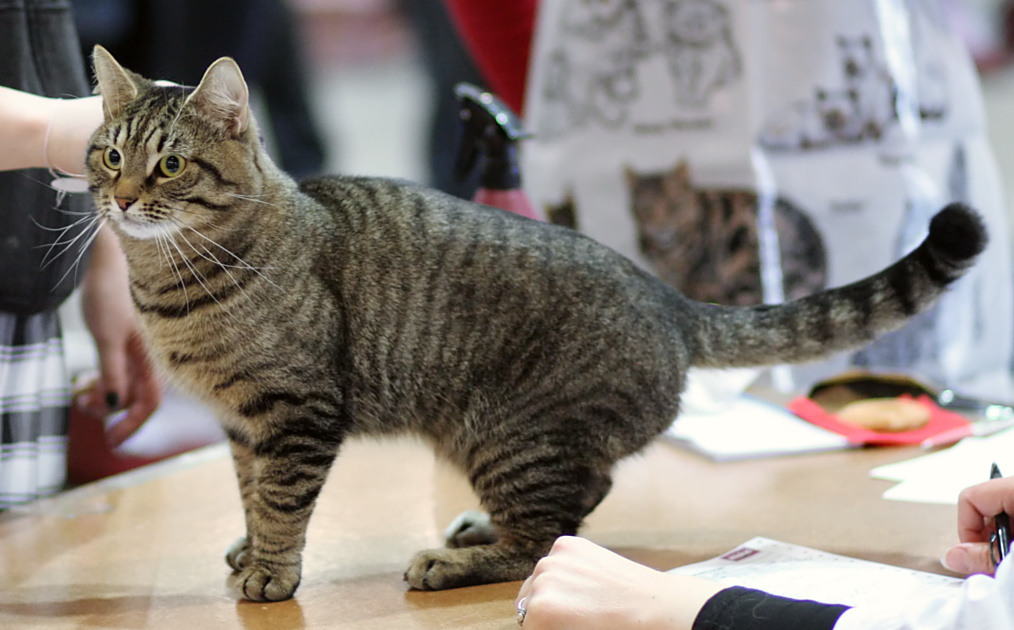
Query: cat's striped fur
[530,356]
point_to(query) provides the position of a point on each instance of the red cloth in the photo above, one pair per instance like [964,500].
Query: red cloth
[498,33]
[941,422]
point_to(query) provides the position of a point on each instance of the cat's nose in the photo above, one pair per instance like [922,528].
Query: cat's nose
[124,202]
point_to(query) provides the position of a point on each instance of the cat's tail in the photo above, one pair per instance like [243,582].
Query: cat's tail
[845,317]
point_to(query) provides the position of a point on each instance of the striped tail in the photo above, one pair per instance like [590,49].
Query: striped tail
[846,317]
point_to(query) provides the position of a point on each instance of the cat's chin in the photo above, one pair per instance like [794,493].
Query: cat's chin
[140,231]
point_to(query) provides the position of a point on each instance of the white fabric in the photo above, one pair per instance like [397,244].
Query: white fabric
[984,603]
[865,117]
[34,397]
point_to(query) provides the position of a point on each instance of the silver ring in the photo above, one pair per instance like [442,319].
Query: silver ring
[522,611]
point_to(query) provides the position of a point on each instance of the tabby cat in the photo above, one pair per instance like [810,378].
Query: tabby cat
[705,241]
[530,356]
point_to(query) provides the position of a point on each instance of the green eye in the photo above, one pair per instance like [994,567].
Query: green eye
[112,159]
[172,165]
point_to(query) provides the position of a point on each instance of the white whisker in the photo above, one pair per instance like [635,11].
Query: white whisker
[252,198]
[83,219]
[212,259]
[66,245]
[197,274]
[161,238]
[84,248]
[244,264]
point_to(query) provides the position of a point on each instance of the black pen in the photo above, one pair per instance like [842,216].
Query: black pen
[1001,539]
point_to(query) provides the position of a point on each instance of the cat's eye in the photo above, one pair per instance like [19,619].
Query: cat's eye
[112,158]
[172,165]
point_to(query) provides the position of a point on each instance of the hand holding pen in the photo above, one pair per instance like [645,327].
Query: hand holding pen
[983,526]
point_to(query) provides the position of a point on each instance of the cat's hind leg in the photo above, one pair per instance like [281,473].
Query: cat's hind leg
[470,528]
[532,500]
[474,527]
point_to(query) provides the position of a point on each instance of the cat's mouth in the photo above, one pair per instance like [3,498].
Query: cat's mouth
[138,227]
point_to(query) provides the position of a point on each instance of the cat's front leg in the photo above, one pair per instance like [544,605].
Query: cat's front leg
[280,479]
[242,458]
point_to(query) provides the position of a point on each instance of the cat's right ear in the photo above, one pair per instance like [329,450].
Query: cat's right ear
[115,84]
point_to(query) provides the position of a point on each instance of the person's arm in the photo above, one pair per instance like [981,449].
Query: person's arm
[127,378]
[739,608]
[499,36]
[582,585]
[983,603]
[40,132]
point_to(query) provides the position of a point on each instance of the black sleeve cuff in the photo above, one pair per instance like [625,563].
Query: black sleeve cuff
[738,608]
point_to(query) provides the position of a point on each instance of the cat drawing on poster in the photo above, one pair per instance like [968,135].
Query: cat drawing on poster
[591,75]
[699,49]
[604,54]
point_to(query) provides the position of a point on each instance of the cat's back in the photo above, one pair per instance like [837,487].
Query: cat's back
[402,252]
[395,220]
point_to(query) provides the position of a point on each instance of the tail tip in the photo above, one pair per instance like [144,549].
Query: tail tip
[958,233]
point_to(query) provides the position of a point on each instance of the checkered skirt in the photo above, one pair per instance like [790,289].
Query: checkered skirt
[34,405]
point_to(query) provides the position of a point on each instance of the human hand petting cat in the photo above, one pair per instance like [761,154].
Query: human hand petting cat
[127,378]
[582,585]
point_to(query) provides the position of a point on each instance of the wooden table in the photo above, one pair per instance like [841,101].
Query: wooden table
[145,549]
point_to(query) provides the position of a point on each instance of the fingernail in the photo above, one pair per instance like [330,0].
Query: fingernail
[957,559]
[112,400]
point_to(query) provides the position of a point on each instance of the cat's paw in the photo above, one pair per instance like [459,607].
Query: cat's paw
[261,583]
[238,556]
[470,528]
[439,569]
[435,570]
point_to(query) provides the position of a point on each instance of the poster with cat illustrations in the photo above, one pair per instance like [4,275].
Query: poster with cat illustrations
[753,151]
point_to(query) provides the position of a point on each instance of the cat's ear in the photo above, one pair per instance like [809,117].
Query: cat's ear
[630,175]
[677,179]
[223,97]
[682,170]
[116,85]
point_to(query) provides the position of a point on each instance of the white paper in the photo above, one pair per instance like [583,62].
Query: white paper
[748,427]
[939,477]
[804,573]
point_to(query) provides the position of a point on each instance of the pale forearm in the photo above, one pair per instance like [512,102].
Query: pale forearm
[36,131]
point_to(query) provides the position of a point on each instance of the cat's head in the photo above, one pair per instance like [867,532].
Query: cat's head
[169,158]
[663,204]
[856,54]
[696,21]
[837,109]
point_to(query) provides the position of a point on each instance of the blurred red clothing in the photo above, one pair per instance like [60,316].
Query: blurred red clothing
[499,36]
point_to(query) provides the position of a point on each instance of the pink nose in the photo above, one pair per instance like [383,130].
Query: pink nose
[124,202]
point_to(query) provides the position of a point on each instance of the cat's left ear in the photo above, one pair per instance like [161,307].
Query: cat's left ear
[223,97]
